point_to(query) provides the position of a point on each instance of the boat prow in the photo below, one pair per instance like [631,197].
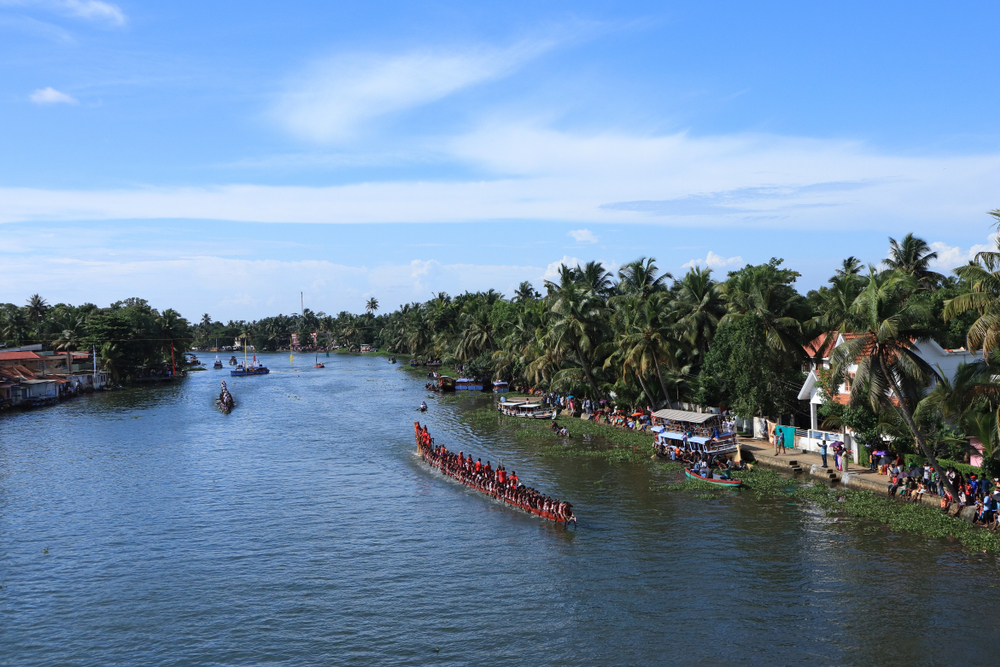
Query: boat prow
[731,483]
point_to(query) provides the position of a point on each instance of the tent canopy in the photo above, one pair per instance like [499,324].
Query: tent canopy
[683,416]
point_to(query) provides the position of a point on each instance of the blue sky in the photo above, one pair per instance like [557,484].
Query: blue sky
[222,157]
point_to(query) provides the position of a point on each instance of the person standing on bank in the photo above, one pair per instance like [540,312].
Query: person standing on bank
[777,442]
[822,452]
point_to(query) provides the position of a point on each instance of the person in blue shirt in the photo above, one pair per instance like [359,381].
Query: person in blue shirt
[822,452]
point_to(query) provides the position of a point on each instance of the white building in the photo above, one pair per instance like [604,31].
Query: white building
[945,362]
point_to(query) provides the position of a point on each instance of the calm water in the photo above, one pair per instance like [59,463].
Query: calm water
[146,528]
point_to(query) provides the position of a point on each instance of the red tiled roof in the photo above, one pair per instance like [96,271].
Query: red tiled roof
[821,345]
[19,356]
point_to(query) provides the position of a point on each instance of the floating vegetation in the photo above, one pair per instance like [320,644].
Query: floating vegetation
[911,517]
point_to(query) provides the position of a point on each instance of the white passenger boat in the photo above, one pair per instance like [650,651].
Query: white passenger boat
[693,431]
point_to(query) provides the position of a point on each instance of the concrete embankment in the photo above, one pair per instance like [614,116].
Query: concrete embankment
[797,462]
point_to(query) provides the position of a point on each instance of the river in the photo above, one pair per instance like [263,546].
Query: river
[144,527]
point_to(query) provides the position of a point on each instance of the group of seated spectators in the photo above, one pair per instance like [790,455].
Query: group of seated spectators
[632,422]
[914,481]
[497,483]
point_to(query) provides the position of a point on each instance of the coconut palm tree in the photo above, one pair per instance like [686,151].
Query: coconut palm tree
[594,277]
[577,319]
[849,267]
[766,291]
[913,256]
[640,278]
[372,306]
[36,309]
[890,374]
[206,320]
[525,292]
[698,306]
[477,334]
[983,275]
[646,340]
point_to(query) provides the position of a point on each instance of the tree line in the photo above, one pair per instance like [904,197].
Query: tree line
[640,337]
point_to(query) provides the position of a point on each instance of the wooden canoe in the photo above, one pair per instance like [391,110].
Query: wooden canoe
[732,483]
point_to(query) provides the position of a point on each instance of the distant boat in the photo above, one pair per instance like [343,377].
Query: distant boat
[218,363]
[253,368]
[232,360]
[318,365]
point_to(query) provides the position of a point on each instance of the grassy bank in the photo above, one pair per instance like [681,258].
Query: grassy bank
[857,504]
[587,439]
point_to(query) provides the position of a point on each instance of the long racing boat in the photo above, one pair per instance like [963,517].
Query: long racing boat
[493,484]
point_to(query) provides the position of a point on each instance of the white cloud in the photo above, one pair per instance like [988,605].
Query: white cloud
[714,261]
[583,236]
[540,174]
[332,98]
[52,96]
[104,13]
[552,270]
[951,257]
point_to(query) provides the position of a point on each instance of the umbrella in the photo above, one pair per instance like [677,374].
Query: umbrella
[570,397]
[603,401]
[636,414]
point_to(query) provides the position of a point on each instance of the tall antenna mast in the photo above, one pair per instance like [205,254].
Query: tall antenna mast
[302,304]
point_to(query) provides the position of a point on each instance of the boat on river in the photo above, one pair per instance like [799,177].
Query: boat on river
[524,409]
[694,432]
[253,368]
[731,483]
[218,363]
[232,360]
[427,451]
[225,400]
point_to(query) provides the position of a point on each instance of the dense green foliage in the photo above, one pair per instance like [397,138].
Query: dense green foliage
[131,337]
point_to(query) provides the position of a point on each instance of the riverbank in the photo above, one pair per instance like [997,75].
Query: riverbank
[862,494]
[856,494]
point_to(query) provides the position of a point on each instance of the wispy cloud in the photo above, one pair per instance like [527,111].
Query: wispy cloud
[95,11]
[31,26]
[583,236]
[739,200]
[332,98]
[714,261]
[52,96]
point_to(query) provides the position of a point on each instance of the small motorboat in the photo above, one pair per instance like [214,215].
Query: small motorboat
[732,483]
[423,406]
[218,363]
[318,365]
[232,360]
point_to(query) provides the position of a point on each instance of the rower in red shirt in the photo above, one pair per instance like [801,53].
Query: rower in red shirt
[479,465]
[501,475]
[513,479]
